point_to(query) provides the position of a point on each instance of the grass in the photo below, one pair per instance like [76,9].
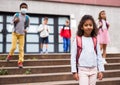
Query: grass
[3,72]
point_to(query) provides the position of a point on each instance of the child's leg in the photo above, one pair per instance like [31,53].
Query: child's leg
[68,44]
[21,48]
[46,44]
[104,50]
[83,76]
[46,48]
[93,76]
[65,44]
[41,44]
[101,47]
[14,43]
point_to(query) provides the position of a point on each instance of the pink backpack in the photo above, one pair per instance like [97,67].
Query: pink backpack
[79,46]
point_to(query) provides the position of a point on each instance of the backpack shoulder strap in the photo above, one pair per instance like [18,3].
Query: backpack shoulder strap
[26,18]
[17,14]
[95,43]
[26,21]
[100,26]
[107,25]
[79,47]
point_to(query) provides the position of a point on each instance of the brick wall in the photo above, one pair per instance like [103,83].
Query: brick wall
[92,2]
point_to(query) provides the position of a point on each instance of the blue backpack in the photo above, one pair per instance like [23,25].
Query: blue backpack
[26,20]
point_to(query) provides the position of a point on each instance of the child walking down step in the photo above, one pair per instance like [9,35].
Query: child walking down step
[86,58]
[103,34]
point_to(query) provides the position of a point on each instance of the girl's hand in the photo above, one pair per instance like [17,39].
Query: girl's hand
[75,76]
[100,75]
[100,24]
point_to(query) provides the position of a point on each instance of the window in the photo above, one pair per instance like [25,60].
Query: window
[32,39]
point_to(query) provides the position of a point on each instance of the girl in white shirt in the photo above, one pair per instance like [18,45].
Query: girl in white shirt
[88,62]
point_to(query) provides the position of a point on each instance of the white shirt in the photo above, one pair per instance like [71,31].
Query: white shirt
[44,30]
[103,24]
[88,57]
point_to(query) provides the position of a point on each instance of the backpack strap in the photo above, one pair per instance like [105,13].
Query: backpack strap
[106,24]
[16,15]
[79,47]
[26,21]
[95,43]
[26,18]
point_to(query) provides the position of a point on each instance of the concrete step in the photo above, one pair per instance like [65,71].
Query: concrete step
[50,68]
[43,77]
[109,81]
[105,81]
[112,73]
[39,56]
[113,55]
[43,62]
[7,79]
[49,56]
[112,66]
[37,69]
[36,62]
[113,60]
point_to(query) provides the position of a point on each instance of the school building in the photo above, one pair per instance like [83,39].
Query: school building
[57,11]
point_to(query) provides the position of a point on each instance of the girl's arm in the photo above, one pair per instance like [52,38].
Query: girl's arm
[73,60]
[73,56]
[108,24]
[100,64]
[99,24]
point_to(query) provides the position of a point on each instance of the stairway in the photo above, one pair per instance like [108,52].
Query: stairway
[52,69]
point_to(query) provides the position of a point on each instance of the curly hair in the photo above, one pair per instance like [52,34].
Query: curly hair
[80,32]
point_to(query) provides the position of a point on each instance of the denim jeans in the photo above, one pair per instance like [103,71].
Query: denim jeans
[66,44]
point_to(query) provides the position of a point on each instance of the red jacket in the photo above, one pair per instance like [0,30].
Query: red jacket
[65,32]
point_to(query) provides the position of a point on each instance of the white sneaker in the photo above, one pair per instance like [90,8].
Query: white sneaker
[46,52]
[104,61]
[41,52]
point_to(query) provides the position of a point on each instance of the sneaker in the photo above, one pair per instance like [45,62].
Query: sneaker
[104,61]
[41,52]
[46,52]
[20,65]
[8,58]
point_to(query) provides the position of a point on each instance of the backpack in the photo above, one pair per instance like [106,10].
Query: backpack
[26,19]
[106,24]
[79,46]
